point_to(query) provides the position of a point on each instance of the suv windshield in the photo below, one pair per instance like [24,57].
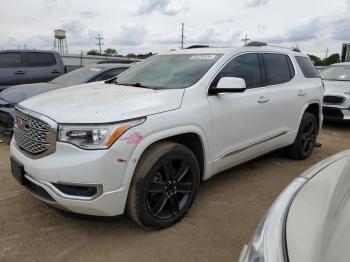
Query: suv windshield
[77,76]
[169,71]
[336,72]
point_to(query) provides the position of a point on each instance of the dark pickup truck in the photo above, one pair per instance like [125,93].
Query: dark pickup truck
[29,66]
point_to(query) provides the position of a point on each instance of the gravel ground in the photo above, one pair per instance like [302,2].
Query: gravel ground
[225,214]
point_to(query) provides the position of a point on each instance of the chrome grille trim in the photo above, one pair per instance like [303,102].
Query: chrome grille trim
[37,135]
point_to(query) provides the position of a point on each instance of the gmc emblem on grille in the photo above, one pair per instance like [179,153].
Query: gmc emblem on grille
[20,124]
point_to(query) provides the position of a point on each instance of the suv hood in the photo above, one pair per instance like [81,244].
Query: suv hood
[103,103]
[18,93]
[336,87]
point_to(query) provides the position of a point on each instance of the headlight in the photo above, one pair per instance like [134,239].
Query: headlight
[95,136]
[268,243]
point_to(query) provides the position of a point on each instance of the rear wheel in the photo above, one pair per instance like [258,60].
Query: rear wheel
[305,141]
[164,186]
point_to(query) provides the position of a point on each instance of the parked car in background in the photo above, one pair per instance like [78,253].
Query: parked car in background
[337,91]
[15,94]
[309,221]
[143,144]
[29,66]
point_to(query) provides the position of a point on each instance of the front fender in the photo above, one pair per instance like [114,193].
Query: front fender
[154,137]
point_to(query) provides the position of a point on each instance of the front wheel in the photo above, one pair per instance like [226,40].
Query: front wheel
[164,185]
[304,143]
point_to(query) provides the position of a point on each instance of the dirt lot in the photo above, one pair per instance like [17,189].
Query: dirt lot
[227,210]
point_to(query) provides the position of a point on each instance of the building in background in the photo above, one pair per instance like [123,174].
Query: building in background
[345,53]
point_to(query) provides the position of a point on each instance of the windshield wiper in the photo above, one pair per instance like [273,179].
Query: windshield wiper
[136,85]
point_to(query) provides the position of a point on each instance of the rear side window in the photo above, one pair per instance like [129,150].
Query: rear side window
[277,68]
[109,74]
[245,66]
[10,60]
[40,59]
[307,67]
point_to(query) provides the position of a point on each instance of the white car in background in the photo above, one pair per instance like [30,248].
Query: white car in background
[309,221]
[144,143]
[337,91]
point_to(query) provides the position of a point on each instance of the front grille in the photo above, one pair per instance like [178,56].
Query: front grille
[6,121]
[330,112]
[335,100]
[33,136]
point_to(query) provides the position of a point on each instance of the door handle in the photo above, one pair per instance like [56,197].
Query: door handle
[19,73]
[301,93]
[55,72]
[263,100]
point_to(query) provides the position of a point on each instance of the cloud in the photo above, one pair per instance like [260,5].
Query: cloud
[88,14]
[162,6]
[306,29]
[130,34]
[341,27]
[255,3]
[214,37]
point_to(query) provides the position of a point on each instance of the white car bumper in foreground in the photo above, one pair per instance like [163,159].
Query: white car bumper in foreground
[269,240]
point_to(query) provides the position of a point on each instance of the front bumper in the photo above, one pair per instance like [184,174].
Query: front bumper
[341,111]
[6,120]
[70,165]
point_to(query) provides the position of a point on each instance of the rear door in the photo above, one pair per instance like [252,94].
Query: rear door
[12,71]
[285,103]
[41,66]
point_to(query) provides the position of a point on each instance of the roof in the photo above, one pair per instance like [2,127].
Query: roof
[110,65]
[28,50]
[340,64]
[226,50]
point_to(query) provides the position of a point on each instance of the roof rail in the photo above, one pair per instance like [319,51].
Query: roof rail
[256,43]
[197,46]
[295,49]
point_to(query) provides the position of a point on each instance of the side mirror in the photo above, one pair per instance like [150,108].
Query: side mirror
[229,85]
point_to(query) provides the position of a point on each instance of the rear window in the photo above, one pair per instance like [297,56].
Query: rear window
[277,68]
[307,67]
[40,59]
[10,60]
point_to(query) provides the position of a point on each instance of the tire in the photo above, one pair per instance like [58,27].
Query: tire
[305,141]
[164,186]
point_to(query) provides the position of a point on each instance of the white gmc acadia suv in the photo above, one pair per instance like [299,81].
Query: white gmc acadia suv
[142,143]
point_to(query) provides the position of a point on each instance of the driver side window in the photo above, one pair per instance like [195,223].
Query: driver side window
[245,66]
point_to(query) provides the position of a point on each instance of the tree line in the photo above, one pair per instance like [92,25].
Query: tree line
[113,52]
[333,58]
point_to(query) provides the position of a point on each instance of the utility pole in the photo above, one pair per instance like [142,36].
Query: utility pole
[245,40]
[327,50]
[99,39]
[182,35]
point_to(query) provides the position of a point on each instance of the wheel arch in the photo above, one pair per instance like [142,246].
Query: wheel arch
[315,108]
[191,136]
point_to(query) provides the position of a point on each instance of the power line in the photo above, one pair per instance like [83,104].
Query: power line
[99,39]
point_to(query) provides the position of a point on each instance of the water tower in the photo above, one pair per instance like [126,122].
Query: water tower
[60,44]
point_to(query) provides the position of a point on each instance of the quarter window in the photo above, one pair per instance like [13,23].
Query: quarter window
[277,69]
[244,66]
[10,60]
[307,67]
[40,59]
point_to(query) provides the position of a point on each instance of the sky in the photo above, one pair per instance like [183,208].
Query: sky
[140,26]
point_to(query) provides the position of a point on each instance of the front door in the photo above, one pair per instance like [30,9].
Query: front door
[239,120]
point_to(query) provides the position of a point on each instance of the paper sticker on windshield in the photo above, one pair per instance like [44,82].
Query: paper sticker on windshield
[96,69]
[202,57]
